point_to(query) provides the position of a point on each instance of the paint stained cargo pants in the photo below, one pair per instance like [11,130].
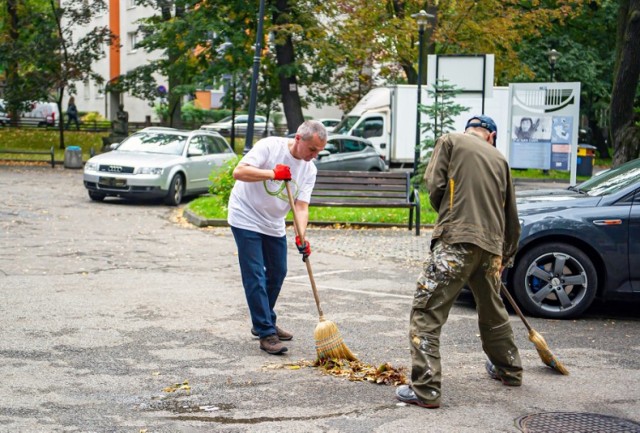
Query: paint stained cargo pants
[446,271]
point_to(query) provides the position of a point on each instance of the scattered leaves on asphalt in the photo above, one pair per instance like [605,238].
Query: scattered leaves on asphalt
[184,386]
[355,371]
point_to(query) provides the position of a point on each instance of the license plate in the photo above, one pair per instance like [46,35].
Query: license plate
[112,181]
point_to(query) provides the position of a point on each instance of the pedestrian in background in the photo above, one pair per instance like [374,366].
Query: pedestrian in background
[475,237]
[72,113]
[256,213]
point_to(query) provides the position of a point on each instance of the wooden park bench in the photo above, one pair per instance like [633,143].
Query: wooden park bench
[367,189]
[31,152]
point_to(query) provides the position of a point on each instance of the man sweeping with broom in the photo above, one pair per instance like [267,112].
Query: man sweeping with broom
[257,209]
[475,237]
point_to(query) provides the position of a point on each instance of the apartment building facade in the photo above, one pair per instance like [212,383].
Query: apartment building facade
[122,17]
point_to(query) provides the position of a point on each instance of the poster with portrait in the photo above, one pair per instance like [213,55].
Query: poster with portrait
[531,128]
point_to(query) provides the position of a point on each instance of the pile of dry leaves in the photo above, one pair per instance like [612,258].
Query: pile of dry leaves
[356,371]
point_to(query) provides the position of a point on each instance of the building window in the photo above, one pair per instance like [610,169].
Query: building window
[133,41]
[131,4]
[87,90]
[100,92]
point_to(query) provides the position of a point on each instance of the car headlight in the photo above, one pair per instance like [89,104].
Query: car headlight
[149,170]
[91,166]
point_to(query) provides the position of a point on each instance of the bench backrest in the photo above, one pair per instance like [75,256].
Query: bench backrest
[361,188]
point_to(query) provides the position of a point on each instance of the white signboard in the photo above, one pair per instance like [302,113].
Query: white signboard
[543,126]
[472,73]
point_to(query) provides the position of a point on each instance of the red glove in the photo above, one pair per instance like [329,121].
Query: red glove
[282,172]
[305,249]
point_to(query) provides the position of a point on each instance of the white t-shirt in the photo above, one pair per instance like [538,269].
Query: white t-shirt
[262,206]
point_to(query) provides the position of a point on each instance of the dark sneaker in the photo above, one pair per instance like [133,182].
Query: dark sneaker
[492,371]
[272,345]
[405,394]
[282,334]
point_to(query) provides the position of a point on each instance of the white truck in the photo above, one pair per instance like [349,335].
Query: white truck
[387,117]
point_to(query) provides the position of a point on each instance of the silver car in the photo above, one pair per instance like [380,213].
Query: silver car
[157,163]
[240,124]
[346,152]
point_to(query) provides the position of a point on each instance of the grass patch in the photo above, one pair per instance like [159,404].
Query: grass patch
[534,173]
[44,138]
[211,207]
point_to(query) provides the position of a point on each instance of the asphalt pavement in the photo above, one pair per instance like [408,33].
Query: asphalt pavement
[106,307]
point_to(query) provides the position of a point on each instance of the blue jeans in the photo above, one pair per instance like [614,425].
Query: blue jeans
[263,266]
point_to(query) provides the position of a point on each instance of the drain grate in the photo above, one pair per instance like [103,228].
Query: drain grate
[566,422]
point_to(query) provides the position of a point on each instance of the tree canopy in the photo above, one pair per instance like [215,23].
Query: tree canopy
[336,50]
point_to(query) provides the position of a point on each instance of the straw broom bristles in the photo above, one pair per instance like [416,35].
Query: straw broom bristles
[545,353]
[538,341]
[329,343]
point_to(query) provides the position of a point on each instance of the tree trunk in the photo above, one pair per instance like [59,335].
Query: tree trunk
[625,136]
[285,57]
[598,138]
[174,100]
[61,117]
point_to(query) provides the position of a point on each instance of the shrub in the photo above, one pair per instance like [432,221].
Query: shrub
[191,113]
[93,116]
[222,180]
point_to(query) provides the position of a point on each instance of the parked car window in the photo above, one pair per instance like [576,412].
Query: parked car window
[613,180]
[345,125]
[332,147]
[372,127]
[198,145]
[217,145]
[157,142]
[353,146]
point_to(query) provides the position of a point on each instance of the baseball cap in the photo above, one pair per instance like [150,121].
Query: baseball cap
[485,122]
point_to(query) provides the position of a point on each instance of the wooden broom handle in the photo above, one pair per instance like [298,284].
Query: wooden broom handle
[507,295]
[298,232]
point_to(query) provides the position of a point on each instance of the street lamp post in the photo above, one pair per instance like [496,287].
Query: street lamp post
[422,19]
[553,56]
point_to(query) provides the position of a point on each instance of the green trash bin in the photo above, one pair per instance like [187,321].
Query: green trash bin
[586,158]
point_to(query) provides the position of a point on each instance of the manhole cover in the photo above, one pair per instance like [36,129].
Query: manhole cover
[570,422]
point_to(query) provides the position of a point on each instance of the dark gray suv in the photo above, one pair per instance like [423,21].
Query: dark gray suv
[578,244]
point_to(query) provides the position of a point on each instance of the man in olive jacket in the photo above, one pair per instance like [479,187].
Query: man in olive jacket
[476,236]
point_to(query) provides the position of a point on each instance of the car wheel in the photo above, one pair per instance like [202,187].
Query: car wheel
[555,280]
[176,189]
[96,196]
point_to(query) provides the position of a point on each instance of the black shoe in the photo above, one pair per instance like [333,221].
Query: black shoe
[492,371]
[282,334]
[272,345]
[405,394]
